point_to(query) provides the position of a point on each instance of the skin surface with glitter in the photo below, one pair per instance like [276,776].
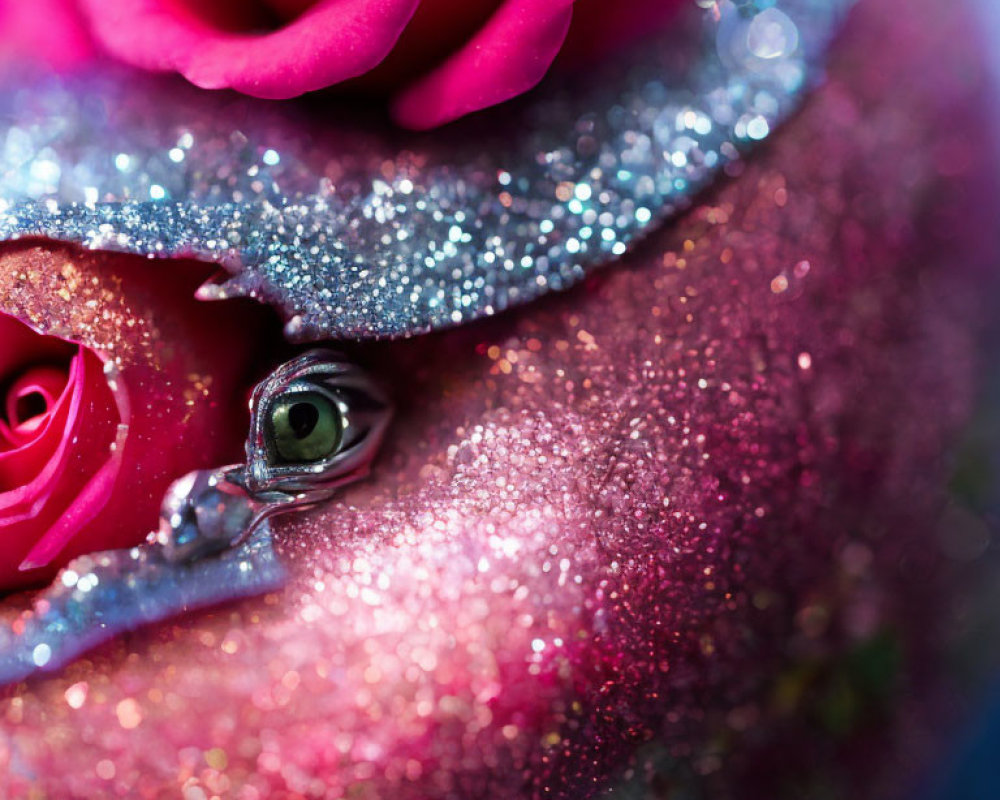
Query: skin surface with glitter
[638,533]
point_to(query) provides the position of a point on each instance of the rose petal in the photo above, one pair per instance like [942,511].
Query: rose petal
[84,508]
[28,458]
[97,492]
[330,42]
[36,491]
[6,438]
[24,347]
[437,29]
[50,31]
[597,33]
[78,477]
[47,382]
[508,56]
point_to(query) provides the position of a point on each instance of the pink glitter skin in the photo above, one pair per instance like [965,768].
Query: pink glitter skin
[639,533]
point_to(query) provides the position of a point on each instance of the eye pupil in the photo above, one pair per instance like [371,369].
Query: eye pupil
[305,427]
[302,418]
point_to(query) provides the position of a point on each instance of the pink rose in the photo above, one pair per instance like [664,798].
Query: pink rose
[97,420]
[439,59]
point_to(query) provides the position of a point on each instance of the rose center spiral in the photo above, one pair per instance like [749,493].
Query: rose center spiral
[29,400]
[29,407]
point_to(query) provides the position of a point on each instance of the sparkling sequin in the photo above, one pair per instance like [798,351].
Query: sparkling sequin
[351,237]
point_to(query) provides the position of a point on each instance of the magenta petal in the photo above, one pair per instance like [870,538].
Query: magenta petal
[38,490]
[19,456]
[332,41]
[50,31]
[508,56]
[90,500]
[87,504]
[48,382]
[24,347]
[7,442]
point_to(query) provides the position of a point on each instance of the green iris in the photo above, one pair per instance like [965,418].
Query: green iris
[306,427]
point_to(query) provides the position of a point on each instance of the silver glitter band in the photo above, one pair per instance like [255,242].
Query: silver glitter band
[356,233]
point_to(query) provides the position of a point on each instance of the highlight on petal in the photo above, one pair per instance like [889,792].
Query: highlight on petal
[99,447]
[508,56]
[330,42]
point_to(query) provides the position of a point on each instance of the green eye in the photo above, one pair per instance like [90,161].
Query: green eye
[306,427]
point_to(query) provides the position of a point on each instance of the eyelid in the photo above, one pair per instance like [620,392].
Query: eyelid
[365,412]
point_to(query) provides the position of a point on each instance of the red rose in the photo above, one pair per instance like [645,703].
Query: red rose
[440,59]
[116,393]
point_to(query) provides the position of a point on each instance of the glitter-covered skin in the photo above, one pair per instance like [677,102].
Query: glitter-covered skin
[681,515]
